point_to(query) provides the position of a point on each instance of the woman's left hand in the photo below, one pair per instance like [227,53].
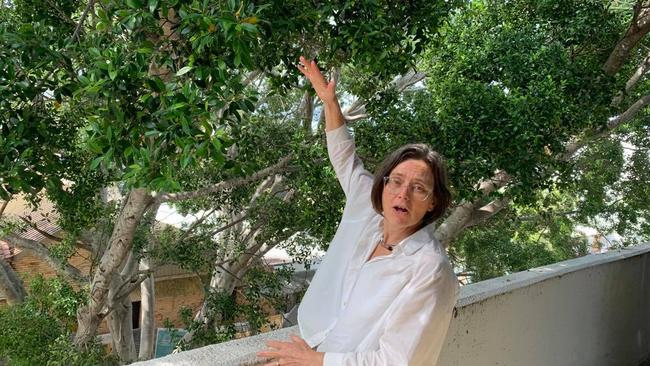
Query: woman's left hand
[294,353]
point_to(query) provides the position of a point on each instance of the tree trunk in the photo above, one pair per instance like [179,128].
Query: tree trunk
[222,281]
[10,284]
[121,327]
[147,321]
[107,276]
[147,290]
[454,224]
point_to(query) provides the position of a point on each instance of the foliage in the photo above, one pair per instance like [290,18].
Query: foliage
[263,294]
[176,95]
[38,331]
[509,91]
[522,237]
[26,335]
[139,94]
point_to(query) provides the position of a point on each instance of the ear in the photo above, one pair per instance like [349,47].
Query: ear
[431,207]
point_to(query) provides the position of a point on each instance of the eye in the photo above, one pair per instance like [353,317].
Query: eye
[419,189]
[396,181]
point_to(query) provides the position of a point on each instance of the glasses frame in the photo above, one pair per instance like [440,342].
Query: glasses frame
[409,188]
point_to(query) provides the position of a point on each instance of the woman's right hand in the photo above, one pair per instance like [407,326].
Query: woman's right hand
[326,90]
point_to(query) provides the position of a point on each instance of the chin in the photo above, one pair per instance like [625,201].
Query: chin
[403,222]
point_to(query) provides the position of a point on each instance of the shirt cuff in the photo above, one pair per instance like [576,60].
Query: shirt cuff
[333,359]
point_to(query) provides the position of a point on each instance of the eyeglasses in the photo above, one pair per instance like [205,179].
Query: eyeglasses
[394,185]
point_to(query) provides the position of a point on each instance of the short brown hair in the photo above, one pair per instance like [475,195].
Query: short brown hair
[440,189]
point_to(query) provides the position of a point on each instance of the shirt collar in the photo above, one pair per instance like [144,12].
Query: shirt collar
[418,239]
[414,242]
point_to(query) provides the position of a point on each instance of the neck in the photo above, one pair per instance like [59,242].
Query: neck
[393,235]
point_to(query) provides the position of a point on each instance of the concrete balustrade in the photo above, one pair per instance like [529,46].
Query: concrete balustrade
[589,311]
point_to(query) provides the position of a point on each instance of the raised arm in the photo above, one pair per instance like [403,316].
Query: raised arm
[326,91]
[355,180]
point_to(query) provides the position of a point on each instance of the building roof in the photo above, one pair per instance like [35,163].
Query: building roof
[7,251]
[41,219]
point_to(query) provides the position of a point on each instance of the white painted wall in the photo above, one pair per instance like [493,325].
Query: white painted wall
[589,311]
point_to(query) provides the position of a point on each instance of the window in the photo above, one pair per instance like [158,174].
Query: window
[135,314]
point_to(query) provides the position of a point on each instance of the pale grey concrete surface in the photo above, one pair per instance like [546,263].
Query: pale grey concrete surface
[237,352]
[589,311]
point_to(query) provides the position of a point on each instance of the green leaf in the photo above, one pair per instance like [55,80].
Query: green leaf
[177,106]
[152,133]
[183,71]
[95,163]
[135,4]
[153,4]
[144,50]
[94,52]
[112,73]
[185,161]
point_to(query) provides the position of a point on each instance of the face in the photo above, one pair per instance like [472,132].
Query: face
[402,209]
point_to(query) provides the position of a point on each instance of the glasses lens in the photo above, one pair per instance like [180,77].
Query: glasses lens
[420,195]
[394,186]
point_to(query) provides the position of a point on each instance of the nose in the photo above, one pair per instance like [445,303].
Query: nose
[404,191]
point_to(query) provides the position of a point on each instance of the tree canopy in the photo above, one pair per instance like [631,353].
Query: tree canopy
[538,107]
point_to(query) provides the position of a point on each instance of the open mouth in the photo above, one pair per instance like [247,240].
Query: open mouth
[400,210]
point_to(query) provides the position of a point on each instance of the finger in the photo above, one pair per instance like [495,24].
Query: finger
[303,61]
[316,76]
[332,84]
[303,64]
[268,354]
[302,70]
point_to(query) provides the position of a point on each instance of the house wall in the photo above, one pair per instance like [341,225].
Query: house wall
[171,296]
[26,265]
[171,293]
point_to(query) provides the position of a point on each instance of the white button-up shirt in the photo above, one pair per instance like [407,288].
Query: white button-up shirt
[390,310]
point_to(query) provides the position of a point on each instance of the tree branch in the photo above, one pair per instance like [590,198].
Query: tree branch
[357,110]
[5,203]
[10,283]
[482,214]
[307,111]
[638,28]
[42,232]
[134,281]
[229,184]
[43,253]
[613,123]
[462,215]
[633,80]
[82,19]
[500,179]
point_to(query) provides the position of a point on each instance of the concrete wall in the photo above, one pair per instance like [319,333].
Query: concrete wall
[589,311]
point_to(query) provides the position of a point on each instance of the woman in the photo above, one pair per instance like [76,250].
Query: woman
[385,291]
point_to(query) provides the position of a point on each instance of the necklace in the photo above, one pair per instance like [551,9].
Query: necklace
[387,246]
